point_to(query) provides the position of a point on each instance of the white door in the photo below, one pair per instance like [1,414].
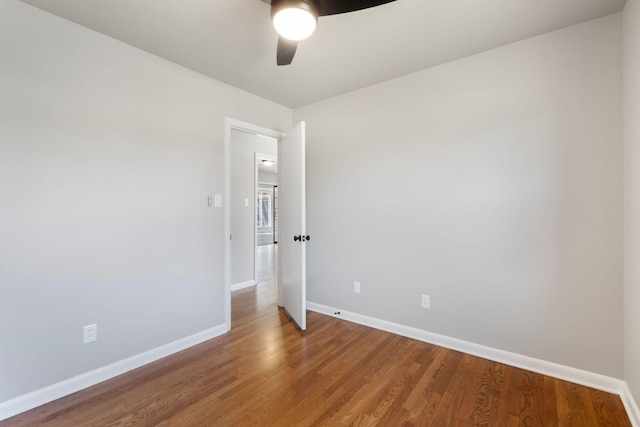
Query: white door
[292,263]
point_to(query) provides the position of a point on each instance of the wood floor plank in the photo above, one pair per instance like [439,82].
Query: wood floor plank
[265,372]
[423,390]
[607,408]
[522,403]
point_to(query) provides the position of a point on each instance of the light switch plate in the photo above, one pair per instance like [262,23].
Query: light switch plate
[426,301]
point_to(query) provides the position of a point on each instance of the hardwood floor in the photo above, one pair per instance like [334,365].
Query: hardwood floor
[266,372]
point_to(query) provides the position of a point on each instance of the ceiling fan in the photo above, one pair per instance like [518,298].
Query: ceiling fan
[295,20]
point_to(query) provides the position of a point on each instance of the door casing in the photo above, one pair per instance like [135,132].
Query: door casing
[230,124]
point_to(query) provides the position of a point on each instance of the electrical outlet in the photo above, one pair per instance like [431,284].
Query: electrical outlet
[426,301]
[356,287]
[90,333]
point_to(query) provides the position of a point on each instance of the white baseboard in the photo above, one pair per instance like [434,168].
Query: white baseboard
[586,378]
[630,405]
[242,285]
[50,393]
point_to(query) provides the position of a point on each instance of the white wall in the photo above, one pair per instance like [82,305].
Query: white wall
[268,177]
[632,196]
[493,184]
[107,156]
[244,146]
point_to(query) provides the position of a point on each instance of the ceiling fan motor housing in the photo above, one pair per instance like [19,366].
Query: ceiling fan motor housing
[311,6]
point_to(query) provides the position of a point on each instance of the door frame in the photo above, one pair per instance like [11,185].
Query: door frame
[230,124]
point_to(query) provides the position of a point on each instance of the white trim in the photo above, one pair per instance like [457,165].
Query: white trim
[50,393]
[229,124]
[242,285]
[567,373]
[630,405]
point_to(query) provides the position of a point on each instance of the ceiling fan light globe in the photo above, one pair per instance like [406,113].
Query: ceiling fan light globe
[294,24]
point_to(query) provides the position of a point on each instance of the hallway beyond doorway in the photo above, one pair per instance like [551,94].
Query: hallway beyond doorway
[266,258]
[265,239]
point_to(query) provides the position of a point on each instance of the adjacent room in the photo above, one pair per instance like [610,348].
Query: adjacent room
[423,213]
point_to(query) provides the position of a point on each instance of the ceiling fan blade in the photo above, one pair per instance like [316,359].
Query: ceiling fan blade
[286,50]
[334,7]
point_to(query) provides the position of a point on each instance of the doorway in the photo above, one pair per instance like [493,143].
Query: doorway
[266,217]
[248,142]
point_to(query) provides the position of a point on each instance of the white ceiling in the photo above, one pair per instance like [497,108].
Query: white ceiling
[233,40]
